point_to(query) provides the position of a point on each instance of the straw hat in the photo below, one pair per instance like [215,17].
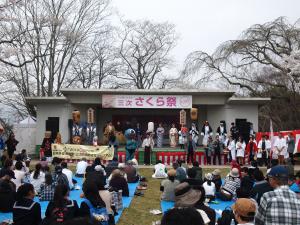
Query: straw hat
[216,172]
[185,196]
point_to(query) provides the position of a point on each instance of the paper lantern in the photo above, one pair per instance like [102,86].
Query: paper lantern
[91,116]
[182,119]
[194,113]
[150,127]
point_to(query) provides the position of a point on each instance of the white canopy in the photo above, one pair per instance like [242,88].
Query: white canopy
[28,120]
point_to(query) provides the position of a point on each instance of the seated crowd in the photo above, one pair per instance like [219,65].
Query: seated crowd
[102,189]
[258,199]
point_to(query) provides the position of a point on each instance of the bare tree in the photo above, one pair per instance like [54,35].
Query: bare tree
[263,62]
[97,64]
[56,30]
[145,51]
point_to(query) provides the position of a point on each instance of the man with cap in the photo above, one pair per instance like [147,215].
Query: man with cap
[7,191]
[244,211]
[281,206]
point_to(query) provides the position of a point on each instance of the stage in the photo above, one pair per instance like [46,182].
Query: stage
[168,155]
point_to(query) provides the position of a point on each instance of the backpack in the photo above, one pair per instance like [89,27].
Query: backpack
[99,215]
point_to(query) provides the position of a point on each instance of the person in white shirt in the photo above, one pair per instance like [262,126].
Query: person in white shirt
[264,146]
[19,175]
[159,170]
[81,167]
[281,148]
[37,177]
[209,187]
[68,173]
[231,148]
[240,150]
[148,144]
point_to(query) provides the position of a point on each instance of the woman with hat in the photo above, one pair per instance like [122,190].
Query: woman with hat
[186,196]
[168,186]
[209,187]
[231,183]
[217,179]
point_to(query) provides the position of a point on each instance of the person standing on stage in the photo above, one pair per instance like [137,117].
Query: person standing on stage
[160,135]
[231,148]
[11,144]
[173,136]
[218,147]
[208,150]
[221,131]
[291,147]
[112,141]
[195,133]
[184,134]
[148,144]
[234,131]
[251,149]
[240,150]
[191,149]
[131,145]
[46,146]
[263,151]
[138,132]
[281,148]
[206,132]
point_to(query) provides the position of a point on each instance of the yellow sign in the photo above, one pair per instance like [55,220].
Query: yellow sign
[69,151]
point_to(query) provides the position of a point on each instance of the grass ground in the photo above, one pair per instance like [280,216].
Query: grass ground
[138,212]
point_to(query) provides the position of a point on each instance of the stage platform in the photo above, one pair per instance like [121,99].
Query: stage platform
[168,155]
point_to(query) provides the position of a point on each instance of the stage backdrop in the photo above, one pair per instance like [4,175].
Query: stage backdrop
[75,152]
[296,134]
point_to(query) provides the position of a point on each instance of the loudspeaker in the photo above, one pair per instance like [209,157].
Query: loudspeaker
[244,128]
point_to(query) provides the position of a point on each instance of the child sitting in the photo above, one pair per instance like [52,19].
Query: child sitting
[209,187]
[47,188]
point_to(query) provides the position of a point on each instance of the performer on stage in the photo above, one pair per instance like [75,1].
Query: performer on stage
[206,132]
[160,135]
[251,149]
[138,132]
[234,131]
[173,136]
[77,128]
[46,150]
[195,133]
[221,131]
[184,133]
[148,144]
[131,145]
[109,129]
[119,133]
[264,147]
[240,150]
[58,138]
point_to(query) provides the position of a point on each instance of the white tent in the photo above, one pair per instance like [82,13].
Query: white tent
[25,132]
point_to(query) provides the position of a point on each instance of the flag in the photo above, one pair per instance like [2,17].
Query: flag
[272,139]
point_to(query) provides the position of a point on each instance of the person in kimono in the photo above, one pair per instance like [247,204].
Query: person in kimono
[240,150]
[184,133]
[221,131]
[173,136]
[195,133]
[148,144]
[263,151]
[206,132]
[180,140]
[160,135]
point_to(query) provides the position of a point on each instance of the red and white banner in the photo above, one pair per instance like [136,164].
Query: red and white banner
[296,134]
[148,101]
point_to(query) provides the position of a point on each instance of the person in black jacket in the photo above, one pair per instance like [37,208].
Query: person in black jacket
[25,210]
[7,191]
[111,166]
[247,183]
[61,208]
[118,182]
[261,186]
[11,145]
[191,180]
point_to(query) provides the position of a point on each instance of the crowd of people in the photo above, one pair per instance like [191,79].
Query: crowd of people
[21,190]
[258,199]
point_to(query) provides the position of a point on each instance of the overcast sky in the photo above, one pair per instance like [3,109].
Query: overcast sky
[204,24]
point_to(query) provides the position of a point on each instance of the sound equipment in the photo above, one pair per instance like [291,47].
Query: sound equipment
[52,124]
[244,128]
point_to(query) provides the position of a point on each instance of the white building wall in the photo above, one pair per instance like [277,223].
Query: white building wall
[25,134]
[63,111]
